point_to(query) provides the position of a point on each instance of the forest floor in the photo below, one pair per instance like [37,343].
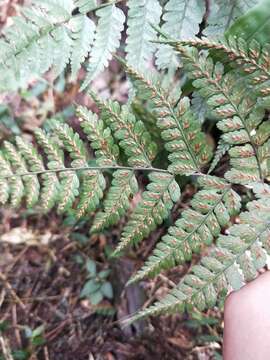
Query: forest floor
[41,280]
[42,265]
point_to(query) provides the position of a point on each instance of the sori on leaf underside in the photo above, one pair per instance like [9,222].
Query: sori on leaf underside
[96,172]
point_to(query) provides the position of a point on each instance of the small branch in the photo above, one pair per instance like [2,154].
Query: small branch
[6,351]
[7,285]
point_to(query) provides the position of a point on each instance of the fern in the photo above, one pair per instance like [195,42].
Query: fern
[50,36]
[221,150]
[132,135]
[124,183]
[250,58]
[211,209]
[83,30]
[234,261]
[142,14]
[55,34]
[241,115]
[107,40]
[156,203]
[95,170]
[181,20]
[180,130]
[224,13]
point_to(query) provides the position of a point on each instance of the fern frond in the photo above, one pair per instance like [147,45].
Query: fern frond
[36,42]
[124,183]
[61,51]
[233,262]
[131,133]
[5,186]
[52,188]
[150,212]
[107,40]
[141,15]
[240,114]
[93,182]
[251,59]
[48,35]
[223,13]
[181,132]
[221,150]
[83,31]
[181,20]
[49,190]
[210,211]
[28,185]
[100,137]
[117,202]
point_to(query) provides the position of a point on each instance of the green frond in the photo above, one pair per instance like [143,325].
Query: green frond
[72,143]
[52,37]
[107,40]
[83,31]
[233,262]
[52,189]
[221,150]
[155,206]
[25,173]
[124,183]
[182,134]
[210,211]
[93,182]
[100,137]
[28,185]
[250,59]
[5,187]
[49,181]
[240,115]
[131,133]
[142,15]
[93,185]
[181,20]
[223,13]
[43,42]
[117,202]
[62,50]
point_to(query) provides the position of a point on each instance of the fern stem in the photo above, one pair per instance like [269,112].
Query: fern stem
[84,168]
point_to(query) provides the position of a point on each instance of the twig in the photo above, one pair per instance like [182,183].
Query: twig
[46,353]
[12,292]
[5,349]
[14,324]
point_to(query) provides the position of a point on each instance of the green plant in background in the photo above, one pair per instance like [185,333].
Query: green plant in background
[56,33]
[231,78]
[34,337]
[7,121]
[97,287]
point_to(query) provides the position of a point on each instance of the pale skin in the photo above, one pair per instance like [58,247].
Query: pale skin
[247,322]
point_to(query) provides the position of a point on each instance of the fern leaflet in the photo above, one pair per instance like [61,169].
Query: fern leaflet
[233,262]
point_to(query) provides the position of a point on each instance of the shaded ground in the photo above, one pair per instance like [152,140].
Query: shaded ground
[41,282]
